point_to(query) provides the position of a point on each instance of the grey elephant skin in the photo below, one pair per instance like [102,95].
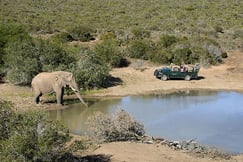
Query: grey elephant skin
[48,82]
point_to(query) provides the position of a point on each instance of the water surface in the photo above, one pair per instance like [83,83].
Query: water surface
[212,118]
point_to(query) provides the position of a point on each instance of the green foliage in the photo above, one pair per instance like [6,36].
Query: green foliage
[21,61]
[182,56]
[6,122]
[62,37]
[30,136]
[170,17]
[53,57]
[91,72]
[201,55]
[161,56]
[109,52]
[26,57]
[108,35]
[139,49]
[81,33]
[119,127]
[167,40]
[140,33]
[9,32]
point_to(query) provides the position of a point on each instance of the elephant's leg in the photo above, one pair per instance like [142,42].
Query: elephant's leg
[37,97]
[59,96]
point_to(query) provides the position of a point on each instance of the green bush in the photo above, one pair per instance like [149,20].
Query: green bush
[108,35]
[202,56]
[182,56]
[91,72]
[140,33]
[52,56]
[161,56]
[167,40]
[109,52]
[82,33]
[62,37]
[30,136]
[119,127]
[139,49]
[6,122]
[9,32]
[27,57]
[21,61]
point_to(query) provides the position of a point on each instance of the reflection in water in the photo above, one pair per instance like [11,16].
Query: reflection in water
[213,118]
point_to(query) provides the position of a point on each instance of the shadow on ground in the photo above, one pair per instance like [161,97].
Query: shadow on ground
[113,81]
[198,78]
[88,158]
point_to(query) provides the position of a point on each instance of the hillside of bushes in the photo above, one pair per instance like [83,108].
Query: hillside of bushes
[159,30]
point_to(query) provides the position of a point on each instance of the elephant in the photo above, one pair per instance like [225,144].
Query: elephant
[48,82]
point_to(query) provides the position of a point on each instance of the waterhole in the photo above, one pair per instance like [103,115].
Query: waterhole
[211,118]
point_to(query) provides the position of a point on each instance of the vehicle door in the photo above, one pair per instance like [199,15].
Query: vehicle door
[175,72]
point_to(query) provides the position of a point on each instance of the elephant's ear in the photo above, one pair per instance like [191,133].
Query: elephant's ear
[60,81]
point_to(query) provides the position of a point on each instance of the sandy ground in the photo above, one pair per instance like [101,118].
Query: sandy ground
[138,79]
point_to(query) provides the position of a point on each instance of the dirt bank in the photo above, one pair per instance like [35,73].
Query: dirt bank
[138,79]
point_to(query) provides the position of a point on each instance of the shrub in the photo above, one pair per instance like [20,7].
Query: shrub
[119,127]
[109,52]
[6,122]
[27,57]
[161,56]
[62,37]
[139,49]
[9,32]
[167,40]
[91,72]
[30,136]
[202,56]
[52,56]
[182,56]
[140,33]
[108,35]
[21,61]
[81,33]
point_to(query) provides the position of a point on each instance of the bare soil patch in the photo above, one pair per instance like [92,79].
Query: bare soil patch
[138,79]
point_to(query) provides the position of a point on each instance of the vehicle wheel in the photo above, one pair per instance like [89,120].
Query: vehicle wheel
[187,77]
[164,77]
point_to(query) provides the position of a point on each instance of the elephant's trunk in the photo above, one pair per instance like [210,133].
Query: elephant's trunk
[80,98]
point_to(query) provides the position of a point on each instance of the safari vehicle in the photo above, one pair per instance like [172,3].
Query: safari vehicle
[186,72]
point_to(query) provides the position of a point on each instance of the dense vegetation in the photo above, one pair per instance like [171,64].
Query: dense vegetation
[31,136]
[160,31]
[220,18]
